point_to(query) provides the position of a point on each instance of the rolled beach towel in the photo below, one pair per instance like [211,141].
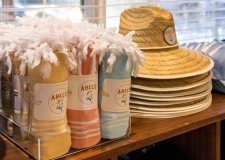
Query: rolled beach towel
[20,103]
[6,92]
[82,113]
[6,79]
[115,124]
[41,44]
[113,97]
[48,105]
[6,98]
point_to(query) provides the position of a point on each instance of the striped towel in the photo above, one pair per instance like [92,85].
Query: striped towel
[114,124]
[114,95]
[85,127]
[214,50]
[48,122]
[49,139]
[82,113]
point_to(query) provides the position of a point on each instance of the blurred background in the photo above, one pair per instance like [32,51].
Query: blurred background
[195,20]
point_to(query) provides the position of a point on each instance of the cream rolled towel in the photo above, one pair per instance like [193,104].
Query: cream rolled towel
[21,100]
[48,105]
[6,89]
[6,92]
[6,98]
[83,114]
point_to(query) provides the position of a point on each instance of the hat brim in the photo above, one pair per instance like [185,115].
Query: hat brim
[172,63]
[170,86]
[172,112]
[166,94]
[189,97]
[180,107]
[156,103]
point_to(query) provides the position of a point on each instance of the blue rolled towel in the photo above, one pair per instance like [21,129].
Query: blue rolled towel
[114,124]
[113,97]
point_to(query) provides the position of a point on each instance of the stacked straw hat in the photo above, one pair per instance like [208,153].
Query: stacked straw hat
[174,81]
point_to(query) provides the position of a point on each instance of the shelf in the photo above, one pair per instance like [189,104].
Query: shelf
[148,131]
[39,147]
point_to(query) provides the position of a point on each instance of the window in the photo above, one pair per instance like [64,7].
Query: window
[195,20]
[41,8]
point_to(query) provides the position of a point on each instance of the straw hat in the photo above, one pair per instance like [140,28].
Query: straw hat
[155,35]
[180,106]
[168,94]
[170,84]
[171,111]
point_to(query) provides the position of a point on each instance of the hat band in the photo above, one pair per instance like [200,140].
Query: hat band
[151,48]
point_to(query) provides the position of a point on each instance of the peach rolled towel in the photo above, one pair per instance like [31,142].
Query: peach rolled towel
[82,113]
[48,105]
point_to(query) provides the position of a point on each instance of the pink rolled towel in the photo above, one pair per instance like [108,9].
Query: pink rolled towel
[82,113]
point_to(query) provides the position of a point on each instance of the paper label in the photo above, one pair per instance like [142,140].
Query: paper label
[6,88]
[22,97]
[118,95]
[53,98]
[170,36]
[83,91]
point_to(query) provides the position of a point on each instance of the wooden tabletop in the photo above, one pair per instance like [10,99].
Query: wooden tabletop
[143,132]
[9,151]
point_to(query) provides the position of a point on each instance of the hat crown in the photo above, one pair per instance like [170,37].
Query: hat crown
[154,27]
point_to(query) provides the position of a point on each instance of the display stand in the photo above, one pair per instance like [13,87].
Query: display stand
[7,125]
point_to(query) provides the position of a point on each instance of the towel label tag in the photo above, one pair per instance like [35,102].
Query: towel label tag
[53,100]
[170,36]
[6,88]
[118,95]
[83,92]
[21,99]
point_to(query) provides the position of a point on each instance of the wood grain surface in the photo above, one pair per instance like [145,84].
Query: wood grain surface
[10,151]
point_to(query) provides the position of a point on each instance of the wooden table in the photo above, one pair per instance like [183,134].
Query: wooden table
[197,136]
